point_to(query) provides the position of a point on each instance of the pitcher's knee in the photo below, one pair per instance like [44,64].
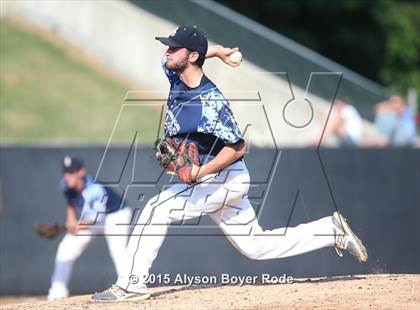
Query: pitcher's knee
[151,214]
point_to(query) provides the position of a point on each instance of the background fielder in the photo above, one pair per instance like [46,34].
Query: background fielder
[197,112]
[92,209]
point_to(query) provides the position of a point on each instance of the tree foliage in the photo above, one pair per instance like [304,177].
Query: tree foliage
[401,58]
[379,39]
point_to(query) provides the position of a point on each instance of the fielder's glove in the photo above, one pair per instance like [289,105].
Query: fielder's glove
[177,157]
[49,231]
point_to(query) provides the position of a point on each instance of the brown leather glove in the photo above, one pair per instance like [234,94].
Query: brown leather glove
[49,231]
[177,158]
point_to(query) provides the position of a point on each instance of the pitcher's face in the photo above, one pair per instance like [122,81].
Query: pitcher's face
[177,58]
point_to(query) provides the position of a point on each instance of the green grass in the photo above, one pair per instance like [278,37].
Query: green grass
[49,95]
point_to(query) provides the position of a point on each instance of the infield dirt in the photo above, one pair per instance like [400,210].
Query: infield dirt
[352,292]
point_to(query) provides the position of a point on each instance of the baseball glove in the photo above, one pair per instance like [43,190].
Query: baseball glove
[49,231]
[177,157]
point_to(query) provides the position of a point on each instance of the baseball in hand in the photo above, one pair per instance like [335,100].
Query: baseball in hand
[235,57]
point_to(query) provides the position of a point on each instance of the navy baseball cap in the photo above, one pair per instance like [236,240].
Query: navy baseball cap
[72,164]
[187,36]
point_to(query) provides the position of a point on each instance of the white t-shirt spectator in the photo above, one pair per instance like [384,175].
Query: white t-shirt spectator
[352,122]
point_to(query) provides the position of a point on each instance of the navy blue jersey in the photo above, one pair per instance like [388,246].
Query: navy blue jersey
[94,198]
[200,114]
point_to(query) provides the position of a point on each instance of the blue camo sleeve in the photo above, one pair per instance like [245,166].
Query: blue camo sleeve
[96,204]
[217,117]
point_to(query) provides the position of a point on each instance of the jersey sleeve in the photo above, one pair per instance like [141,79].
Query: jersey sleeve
[217,117]
[95,208]
[171,75]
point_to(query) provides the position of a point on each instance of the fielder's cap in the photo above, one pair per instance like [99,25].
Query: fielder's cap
[72,164]
[187,36]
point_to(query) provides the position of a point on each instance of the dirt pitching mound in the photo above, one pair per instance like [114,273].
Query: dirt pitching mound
[352,292]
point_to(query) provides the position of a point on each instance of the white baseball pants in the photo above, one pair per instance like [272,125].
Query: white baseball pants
[223,197]
[72,246]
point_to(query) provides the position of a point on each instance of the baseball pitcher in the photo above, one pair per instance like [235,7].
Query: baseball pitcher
[203,145]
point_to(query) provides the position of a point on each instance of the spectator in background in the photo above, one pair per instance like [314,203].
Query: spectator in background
[395,123]
[344,123]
